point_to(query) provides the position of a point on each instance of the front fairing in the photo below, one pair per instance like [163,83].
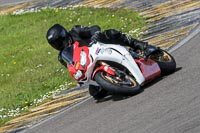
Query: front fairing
[67,55]
[118,54]
[77,59]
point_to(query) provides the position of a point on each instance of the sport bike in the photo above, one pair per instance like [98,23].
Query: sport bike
[115,68]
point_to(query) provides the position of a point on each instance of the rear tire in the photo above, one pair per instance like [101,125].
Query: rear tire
[106,82]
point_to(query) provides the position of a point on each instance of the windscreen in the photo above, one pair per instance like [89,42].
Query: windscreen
[67,55]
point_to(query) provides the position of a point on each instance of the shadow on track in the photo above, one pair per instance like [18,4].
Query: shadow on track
[121,97]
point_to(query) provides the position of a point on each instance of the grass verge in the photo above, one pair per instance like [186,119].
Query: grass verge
[29,70]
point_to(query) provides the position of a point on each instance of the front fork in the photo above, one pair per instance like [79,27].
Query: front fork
[120,77]
[104,67]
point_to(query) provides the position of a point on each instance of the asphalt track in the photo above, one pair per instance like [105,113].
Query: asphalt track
[169,105]
[12,2]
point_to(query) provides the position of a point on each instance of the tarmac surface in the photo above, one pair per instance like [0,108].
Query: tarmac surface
[12,2]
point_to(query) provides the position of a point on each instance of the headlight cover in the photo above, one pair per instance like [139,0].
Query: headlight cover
[83,59]
[78,74]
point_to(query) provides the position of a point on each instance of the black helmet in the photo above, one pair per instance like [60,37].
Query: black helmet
[58,37]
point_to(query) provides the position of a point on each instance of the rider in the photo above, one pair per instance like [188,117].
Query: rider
[59,38]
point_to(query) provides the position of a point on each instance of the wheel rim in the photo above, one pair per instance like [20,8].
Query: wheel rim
[126,80]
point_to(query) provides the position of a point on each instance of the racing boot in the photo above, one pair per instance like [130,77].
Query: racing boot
[97,92]
[134,43]
[140,45]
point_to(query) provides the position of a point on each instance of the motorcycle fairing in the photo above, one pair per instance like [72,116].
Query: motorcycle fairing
[149,68]
[77,70]
[109,52]
[119,54]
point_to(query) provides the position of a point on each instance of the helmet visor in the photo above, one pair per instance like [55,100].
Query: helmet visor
[60,43]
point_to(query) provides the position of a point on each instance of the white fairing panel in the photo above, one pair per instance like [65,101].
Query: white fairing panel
[116,53]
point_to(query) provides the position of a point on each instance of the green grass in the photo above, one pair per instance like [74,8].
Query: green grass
[28,65]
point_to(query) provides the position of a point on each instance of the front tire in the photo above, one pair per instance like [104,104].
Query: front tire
[114,84]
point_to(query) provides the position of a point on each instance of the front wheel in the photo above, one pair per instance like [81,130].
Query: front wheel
[123,84]
[165,61]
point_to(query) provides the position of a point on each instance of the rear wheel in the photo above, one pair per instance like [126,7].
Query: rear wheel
[121,83]
[165,61]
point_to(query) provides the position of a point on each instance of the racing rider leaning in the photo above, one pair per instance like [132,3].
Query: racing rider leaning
[59,38]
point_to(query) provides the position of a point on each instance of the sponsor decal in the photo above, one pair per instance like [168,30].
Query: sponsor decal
[103,51]
[97,51]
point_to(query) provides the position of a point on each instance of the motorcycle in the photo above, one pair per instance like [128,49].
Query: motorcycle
[115,68]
